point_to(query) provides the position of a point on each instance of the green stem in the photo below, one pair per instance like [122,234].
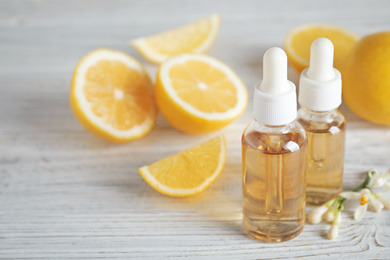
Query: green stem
[335,221]
[341,203]
[365,182]
[362,186]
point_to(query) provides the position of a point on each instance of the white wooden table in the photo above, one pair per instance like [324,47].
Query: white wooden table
[65,194]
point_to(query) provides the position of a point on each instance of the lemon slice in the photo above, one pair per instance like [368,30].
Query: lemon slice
[111,96]
[199,94]
[189,172]
[298,41]
[196,37]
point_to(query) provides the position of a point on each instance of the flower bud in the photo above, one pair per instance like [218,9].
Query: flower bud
[334,229]
[315,216]
[329,216]
[333,232]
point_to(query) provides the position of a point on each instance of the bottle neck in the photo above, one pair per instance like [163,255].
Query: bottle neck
[319,113]
[273,128]
[313,115]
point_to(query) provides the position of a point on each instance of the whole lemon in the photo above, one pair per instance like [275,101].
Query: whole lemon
[366,78]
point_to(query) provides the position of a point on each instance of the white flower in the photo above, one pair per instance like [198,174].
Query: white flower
[365,196]
[385,201]
[316,215]
[380,179]
[334,229]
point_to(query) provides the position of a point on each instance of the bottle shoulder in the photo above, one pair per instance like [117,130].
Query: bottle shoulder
[327,121]
[275,139]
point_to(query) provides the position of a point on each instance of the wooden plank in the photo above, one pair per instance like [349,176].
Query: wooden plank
[65,194]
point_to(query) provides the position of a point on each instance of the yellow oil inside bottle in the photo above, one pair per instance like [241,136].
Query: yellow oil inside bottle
[325,160]
[274,185]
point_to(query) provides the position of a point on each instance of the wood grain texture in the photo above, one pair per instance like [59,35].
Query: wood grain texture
[65,194]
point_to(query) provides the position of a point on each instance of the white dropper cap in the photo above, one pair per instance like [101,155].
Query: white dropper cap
[275,97]
[320,84]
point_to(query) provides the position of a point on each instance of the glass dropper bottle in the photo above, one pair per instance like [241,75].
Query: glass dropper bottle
[319,97]
[274,157]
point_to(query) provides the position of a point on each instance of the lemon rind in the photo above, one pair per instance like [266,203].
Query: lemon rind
[176,192]
[242,94]
[79,82]
[154,56]
[302,27]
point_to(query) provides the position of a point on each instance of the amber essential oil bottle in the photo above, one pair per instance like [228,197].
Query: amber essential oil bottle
[274,157]
[319,97]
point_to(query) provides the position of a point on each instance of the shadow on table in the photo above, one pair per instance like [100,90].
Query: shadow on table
[220,203]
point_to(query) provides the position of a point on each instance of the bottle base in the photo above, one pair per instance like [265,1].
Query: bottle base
[316,196]
[271,237]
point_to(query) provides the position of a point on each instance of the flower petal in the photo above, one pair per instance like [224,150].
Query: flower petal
[351,195]
[387,185]
[380,179]
[360,211]
[385,201]
[376,204]
[379,182]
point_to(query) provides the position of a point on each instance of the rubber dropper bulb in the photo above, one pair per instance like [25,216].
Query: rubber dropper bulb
[275,72]
[321,60]
[274,101]
[320,84]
